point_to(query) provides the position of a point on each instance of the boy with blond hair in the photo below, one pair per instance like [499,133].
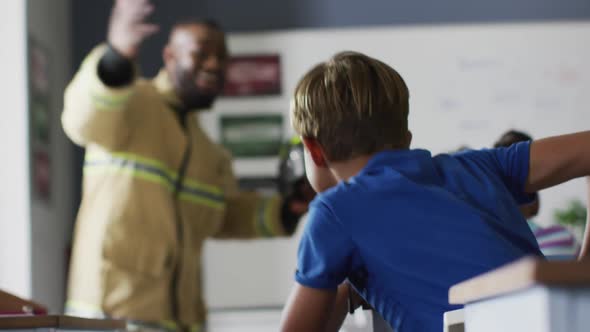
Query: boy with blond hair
[398,225]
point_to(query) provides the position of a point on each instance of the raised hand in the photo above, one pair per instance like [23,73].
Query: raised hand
[128,27]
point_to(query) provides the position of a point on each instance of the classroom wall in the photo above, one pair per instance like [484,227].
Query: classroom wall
[90,17]
[15,240]
[48,23]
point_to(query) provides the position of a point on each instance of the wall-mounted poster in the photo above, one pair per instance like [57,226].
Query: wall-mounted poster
[253,75]
[252,136]
[39,94]
[40,118]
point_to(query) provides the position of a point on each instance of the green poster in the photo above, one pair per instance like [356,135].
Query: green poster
[250,136]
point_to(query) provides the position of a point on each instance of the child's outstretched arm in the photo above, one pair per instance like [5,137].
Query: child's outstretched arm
[558,159]
[308,309]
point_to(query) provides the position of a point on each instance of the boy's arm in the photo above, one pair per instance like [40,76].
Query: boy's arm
[326,256]
[558,159]
[332,321]
[308,309]
[341,306]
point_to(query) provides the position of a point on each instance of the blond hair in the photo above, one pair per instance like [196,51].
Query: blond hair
[352,105]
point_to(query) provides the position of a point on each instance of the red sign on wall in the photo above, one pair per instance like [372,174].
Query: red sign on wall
[253,75]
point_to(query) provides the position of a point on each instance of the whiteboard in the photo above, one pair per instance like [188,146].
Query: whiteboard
[468,85]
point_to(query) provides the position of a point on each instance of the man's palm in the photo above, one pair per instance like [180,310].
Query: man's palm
[128,27]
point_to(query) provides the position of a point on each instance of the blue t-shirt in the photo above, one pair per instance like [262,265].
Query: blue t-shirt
[410,225]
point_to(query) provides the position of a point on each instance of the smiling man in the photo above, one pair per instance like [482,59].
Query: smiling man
[155,186]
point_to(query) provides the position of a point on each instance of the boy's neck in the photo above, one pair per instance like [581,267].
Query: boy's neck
[344,170]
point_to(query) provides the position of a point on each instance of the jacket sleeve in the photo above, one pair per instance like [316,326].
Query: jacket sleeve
[94,112]
[248,214]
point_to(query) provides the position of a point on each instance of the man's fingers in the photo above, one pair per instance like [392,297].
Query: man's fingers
[147,29]
[134,11]
[138,15]
[127,5]
[146,10]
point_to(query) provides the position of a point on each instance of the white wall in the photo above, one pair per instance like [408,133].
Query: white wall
[51,221]
[15,256]
[468,84]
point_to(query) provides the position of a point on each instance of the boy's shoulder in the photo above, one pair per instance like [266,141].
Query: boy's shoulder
[358,190]
[340,195]
[331,196]
[517,152]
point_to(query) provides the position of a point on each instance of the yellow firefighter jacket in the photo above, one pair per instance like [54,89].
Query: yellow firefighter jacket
[139,233]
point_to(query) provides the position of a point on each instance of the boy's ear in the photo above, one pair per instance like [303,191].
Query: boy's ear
[316,151]
[408,138]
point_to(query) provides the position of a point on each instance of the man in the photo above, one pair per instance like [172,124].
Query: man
[155,186]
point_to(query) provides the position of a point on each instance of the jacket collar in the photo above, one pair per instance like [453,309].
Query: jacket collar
[166,90]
